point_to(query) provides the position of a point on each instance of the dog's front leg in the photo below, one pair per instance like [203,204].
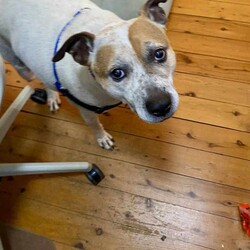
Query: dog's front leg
[104,139]
[53,100]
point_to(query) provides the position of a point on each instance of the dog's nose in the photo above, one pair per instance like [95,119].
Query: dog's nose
[159,104]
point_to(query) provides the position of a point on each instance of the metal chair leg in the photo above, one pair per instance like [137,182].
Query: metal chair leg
[93,173]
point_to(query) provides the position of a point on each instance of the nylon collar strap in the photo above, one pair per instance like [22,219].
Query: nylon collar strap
[66,92]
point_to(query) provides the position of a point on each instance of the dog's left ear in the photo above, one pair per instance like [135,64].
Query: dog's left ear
[154,12]
[79,46]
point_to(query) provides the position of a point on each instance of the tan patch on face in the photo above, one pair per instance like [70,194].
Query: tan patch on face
[103,61]
[142,31]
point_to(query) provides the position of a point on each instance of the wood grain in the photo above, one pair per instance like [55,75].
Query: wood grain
[153,154]
[61,246]
[213,9]
[214,67]
[219,90]
[151,223]
[210,46]
[204,26]
[151,183]
[96,233]
[245,2]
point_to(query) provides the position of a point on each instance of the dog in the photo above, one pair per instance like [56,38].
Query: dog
[93,57]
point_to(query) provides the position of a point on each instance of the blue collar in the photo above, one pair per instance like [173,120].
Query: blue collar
[66,92]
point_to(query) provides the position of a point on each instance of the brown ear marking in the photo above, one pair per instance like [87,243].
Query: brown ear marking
[79,46]
[153,11]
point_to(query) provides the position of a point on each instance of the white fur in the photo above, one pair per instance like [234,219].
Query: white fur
[32,27]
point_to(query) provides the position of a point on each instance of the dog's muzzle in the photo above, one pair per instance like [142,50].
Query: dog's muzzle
[159,103]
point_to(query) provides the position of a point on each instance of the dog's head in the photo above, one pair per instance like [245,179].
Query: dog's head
[133,61]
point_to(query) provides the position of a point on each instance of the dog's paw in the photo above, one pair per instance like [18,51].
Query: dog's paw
[106,141]
[53,100]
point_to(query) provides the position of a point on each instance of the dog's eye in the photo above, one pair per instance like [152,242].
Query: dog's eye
[160,55]
[117,74]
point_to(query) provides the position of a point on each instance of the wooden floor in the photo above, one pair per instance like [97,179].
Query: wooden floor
[174,185]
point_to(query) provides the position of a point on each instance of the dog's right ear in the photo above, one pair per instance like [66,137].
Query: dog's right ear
[79,46]
[154,12]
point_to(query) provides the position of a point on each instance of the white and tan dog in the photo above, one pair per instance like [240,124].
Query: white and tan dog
[98,58]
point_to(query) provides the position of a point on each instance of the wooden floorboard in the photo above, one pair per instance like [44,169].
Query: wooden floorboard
[173,185]
[203,26]
[213,9]
[211,46]
[215,67]
[242,2]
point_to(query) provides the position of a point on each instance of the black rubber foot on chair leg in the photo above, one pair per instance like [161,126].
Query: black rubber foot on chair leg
[39,96]
[95,175]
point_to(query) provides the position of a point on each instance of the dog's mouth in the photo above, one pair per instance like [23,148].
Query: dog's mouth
[155,117]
